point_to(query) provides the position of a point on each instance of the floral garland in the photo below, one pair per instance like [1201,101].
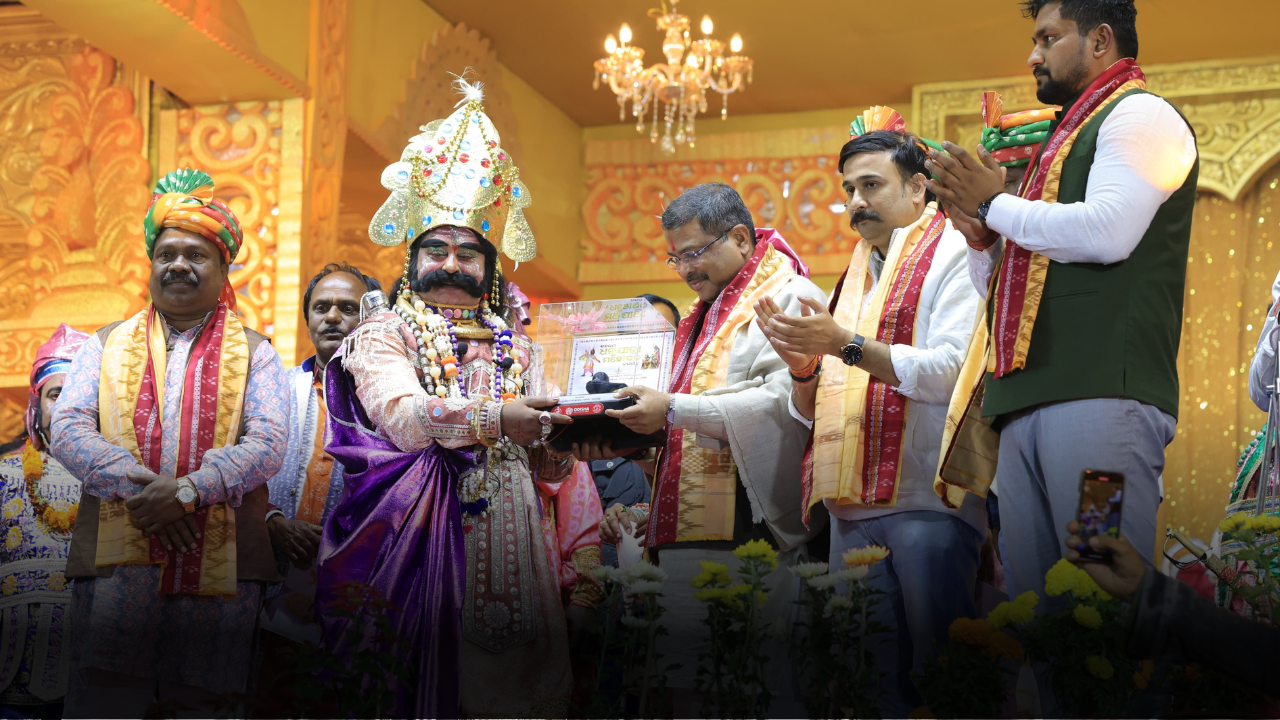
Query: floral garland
[61,518]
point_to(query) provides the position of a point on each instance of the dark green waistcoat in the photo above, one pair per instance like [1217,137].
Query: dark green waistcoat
[1107,330]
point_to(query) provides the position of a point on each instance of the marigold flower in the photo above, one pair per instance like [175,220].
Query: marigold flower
[1083,587]
[1004,645]
[869,555]
[1020,612]
[968,631]
[1088,616]
[1060,578]
[1142,676]
[999,615]
[1099,667]
[1027,599]
[1232,523]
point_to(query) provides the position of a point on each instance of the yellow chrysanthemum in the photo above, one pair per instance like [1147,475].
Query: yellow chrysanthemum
[1087,616]
[14,539]
[707,595]
[757,549]
[967,631]
[1232,523]
[1000,644]
[1060,578]
[869,555]
[1099,667]
[714,568]
[999,615]
[1263,523]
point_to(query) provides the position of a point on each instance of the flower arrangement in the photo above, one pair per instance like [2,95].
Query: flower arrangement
[1256,537]
[629,664]
[831,648]
[969,676]
[731,676]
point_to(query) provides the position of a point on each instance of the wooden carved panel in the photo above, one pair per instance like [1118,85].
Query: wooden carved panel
[239,145]
[73,189]
[799,196]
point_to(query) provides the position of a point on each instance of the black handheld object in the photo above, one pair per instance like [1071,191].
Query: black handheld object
[1101,498]
[590,424]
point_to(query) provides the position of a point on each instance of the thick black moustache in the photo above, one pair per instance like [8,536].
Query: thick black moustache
[691,279]
[173,277]
[863,216]
[436,278]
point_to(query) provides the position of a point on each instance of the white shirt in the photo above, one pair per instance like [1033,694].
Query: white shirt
[927,370]
[1262,371]
[1145,152]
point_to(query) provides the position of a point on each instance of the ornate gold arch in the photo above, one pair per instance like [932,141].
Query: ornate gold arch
[1233,105]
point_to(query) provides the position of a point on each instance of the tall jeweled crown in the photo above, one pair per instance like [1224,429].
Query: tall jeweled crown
[456,173]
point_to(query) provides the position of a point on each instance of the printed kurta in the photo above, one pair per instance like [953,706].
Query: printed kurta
[123,625]
[35,598]
[513,623]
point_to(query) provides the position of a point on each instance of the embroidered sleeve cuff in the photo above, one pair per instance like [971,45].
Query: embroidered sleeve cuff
[489,422]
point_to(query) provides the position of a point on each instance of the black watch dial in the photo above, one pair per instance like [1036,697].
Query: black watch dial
[851,353]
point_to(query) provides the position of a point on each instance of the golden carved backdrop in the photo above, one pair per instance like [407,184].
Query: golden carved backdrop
[73,187]
[1234,108]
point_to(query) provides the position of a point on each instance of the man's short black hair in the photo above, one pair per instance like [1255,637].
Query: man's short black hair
[370,284]
[717,207]
[656,300]
[1121,15]
[904,149]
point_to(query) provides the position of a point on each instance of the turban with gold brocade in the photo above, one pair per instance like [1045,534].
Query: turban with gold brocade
[457,173]
[1013,139]
[184,199]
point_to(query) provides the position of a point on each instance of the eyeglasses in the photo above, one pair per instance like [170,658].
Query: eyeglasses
[693,257]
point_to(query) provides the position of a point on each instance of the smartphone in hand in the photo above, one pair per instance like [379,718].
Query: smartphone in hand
[1101,498]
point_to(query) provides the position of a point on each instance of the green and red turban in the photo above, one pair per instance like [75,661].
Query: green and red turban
[1013,139]
[184,199]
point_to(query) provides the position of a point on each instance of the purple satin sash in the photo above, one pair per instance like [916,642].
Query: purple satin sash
[398,528]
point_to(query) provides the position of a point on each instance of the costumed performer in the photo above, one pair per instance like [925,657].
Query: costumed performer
[435,410]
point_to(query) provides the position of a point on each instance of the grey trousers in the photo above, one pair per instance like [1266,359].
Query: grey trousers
[1042,454]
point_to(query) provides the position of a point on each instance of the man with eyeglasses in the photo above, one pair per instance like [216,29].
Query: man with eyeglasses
[732,458]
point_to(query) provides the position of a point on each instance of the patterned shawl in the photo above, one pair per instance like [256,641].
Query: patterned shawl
[131,414]
[856,447]
[696,486]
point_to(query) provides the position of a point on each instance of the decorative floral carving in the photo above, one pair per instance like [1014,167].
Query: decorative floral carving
[624,240]
[239,146]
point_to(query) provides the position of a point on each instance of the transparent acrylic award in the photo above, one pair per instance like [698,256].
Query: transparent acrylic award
[592,348]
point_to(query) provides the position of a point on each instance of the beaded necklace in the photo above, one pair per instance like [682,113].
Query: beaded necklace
[439,350]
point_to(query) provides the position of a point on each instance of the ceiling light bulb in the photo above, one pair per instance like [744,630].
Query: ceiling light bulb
[735,43]
[691,60]
[706,25]
[624,33]
[610,44]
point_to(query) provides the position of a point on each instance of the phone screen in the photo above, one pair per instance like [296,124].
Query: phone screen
[1101,497]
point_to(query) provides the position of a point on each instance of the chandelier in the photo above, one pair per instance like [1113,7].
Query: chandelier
[681,84]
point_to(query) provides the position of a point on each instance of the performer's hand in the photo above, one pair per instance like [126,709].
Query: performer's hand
[979,236]
[765,309]
[962,181]
[615,519]
[581,621]
[299,540]
[648,415]
[156,505]
[814,334]
[593,449]
[520,419]
[1121,576]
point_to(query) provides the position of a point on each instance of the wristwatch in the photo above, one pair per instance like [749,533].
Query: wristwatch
[984,207]
[187,495]
[852,353]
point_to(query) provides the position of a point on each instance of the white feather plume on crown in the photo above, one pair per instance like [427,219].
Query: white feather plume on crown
[469,91]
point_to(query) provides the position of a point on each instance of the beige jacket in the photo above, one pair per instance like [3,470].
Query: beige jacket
[750,413]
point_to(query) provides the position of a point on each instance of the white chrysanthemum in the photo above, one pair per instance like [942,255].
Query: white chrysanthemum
[823,582]
[809,569]
[605,573]
[644,587]
[837,602]
[856,572]
[645,571]
[635,622]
